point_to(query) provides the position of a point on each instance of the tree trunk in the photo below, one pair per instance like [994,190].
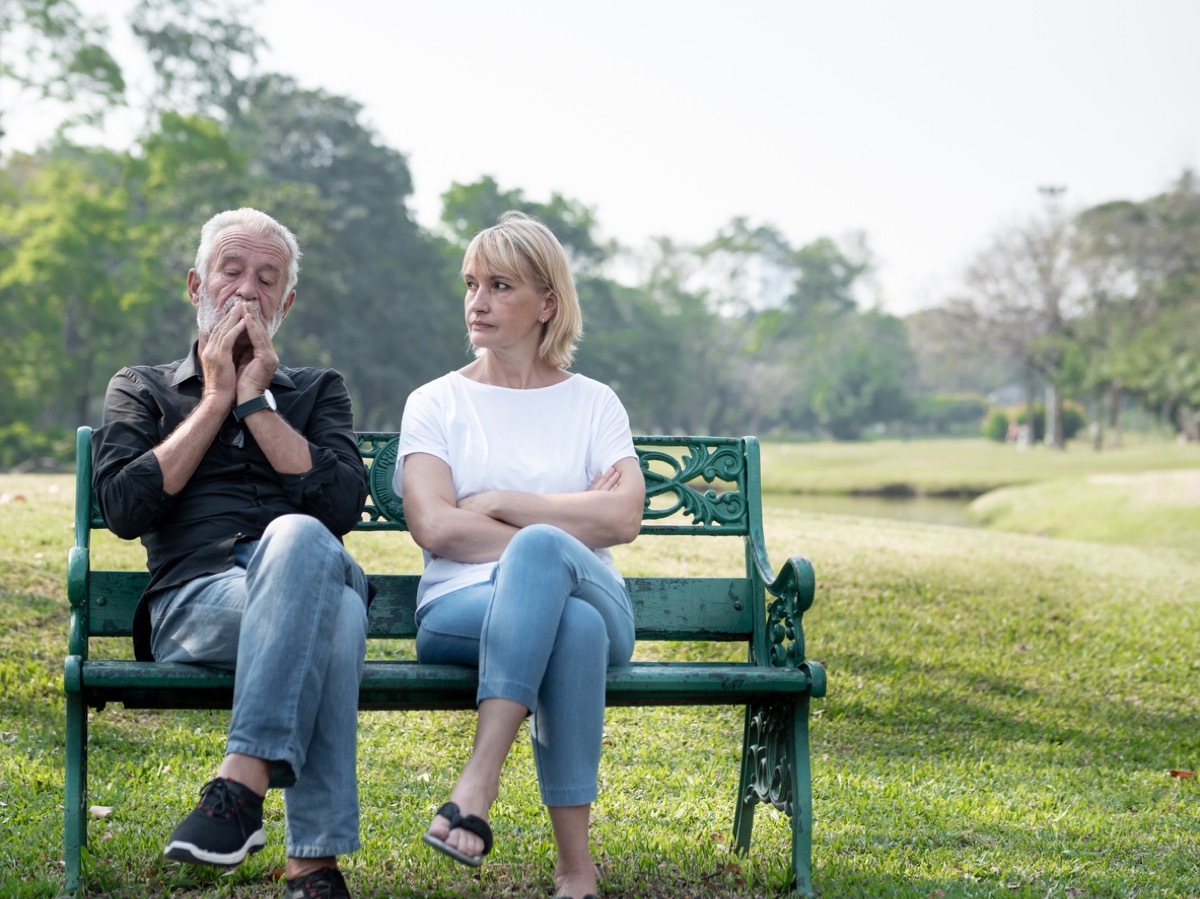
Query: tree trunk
[1025,434]
[1114,414]
[1096,426]
[1054,418]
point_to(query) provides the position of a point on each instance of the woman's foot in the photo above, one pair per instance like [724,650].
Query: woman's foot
[470,823]
[581,883]
[472,800]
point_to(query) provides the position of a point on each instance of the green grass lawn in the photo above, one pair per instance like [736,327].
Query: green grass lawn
[953,467]
[1005,712]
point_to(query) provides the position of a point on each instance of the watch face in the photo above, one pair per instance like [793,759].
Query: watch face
[270,398]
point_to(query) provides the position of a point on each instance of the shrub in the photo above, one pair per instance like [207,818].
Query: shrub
[949,413]
[20,443]
[1074,419]
[995,426]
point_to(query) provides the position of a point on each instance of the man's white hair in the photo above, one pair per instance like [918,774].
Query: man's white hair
[256,223]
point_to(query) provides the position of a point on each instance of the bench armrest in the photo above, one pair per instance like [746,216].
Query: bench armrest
[790,594]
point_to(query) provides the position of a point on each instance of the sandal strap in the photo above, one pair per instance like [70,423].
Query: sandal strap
[472,823]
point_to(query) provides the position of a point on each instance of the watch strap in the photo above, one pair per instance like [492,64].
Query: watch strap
[251,406]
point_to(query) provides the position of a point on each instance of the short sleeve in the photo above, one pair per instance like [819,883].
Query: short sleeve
[612,440]
[422,430]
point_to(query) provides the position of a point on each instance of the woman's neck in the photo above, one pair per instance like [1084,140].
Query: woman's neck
[528,374]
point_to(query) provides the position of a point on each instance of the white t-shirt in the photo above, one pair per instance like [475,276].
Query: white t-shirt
[546,440]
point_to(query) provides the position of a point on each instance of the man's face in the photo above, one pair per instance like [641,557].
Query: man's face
[244,268]
[208,313]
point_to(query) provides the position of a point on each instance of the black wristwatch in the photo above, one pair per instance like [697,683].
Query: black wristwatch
[266,401]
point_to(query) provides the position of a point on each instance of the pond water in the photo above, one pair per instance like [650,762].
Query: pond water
[931,510]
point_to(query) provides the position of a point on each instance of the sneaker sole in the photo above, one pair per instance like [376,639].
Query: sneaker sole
[181,851]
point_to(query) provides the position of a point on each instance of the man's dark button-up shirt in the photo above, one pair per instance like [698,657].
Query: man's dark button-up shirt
[234,493]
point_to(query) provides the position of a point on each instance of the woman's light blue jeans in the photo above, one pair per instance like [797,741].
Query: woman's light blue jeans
[542,633]
[291,618]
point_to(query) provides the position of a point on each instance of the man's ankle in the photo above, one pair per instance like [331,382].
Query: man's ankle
[252,773]
[302,867]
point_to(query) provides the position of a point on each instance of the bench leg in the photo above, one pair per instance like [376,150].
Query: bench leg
[801,811]
[776,770]
[747,796]
[75,777]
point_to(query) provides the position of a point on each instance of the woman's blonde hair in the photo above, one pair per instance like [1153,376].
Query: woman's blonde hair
[523,247]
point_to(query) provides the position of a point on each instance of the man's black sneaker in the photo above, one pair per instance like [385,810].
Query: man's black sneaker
[223,828]
[327,883]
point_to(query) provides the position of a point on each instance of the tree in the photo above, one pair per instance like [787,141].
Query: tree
[377,299]
[860,375]
[952,355]
[202,54]
[50,51]
[1141,262]
[469,208]
[1023,292]
[63,282]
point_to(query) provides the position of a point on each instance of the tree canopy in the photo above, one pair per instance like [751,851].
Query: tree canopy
[742,333]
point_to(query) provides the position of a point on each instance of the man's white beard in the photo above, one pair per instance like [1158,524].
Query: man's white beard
[208,315]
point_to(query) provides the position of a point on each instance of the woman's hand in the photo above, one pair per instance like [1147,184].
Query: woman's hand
[485,503]
[606,480]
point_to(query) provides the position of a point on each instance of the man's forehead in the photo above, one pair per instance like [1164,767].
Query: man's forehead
[241,245]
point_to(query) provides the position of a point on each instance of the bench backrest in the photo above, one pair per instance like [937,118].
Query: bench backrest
[700,486]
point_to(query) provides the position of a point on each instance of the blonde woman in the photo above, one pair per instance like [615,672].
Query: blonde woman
[517,476]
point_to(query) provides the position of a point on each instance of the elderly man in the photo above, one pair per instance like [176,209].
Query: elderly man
[240,475]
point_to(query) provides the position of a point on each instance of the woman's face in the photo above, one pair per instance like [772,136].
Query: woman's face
[504,311]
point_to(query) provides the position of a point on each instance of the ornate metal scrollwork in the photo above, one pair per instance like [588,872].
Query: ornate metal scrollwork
[788,598]
[767,744]
[787,638]
[699,460]
[379,454]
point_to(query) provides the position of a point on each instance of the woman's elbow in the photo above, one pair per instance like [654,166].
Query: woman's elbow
[628,529]
[428,535]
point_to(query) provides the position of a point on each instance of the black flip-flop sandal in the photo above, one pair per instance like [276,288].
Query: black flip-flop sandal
[472,823]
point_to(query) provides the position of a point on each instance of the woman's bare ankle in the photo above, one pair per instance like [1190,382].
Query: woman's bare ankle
[576,882]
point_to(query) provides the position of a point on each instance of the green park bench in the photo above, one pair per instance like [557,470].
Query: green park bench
[694,486]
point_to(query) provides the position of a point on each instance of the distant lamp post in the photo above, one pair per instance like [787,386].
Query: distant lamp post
[1051,193]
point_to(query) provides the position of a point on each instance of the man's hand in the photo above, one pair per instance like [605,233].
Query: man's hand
[256,360]
[217,358]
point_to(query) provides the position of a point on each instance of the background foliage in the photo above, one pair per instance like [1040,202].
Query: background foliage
[743,333]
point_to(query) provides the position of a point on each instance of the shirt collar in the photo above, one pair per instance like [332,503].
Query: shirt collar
[190,368]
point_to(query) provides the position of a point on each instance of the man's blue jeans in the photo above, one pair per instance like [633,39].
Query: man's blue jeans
[291,619]
[542,633]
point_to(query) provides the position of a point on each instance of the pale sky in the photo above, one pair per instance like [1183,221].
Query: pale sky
[926,124]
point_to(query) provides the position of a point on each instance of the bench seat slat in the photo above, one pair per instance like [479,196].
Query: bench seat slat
[411,685]
[698,608]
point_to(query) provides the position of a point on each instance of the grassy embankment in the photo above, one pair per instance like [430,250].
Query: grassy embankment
[1005,713]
